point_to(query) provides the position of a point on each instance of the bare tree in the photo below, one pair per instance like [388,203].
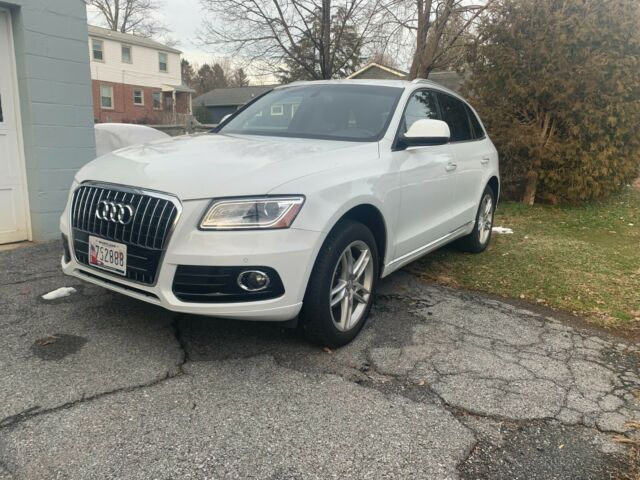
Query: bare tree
[138,17]
[314,39]
[439,30]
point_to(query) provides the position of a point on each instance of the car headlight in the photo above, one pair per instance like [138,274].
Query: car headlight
[252,213]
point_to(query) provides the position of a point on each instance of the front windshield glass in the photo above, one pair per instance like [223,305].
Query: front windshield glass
[359,113]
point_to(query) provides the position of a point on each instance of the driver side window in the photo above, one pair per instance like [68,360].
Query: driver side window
[421,105]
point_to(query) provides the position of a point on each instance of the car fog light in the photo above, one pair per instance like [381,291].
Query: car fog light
[253,280]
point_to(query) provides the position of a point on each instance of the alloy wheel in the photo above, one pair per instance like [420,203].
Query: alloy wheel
[351,286]
[485,219]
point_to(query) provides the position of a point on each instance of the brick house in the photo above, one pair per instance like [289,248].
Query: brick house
[136,79]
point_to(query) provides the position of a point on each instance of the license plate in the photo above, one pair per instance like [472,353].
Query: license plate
[108,255]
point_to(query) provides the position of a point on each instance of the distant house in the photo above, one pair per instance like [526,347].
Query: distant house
[448,79]
[135,79]
[46,121]
[223,101]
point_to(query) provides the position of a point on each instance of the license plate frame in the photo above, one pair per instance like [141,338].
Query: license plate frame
[108,255]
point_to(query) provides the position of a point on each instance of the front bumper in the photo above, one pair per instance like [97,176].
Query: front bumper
[290,252]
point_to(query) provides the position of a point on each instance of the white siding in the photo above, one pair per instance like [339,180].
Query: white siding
[54,101]
[144,69]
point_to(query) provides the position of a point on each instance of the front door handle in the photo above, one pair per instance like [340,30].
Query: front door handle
[451,167]
[485,160]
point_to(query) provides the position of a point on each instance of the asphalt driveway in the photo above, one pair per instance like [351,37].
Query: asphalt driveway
[440,384]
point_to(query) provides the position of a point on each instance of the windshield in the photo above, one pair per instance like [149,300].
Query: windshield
[357,113]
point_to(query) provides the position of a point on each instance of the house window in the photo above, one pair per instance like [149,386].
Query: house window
[97,47]
[163,59]
[157,100]
[138,97]
[126,54]
[277,110]
[294,108]
[106,97]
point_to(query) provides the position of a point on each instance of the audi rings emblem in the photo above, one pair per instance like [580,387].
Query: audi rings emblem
[114,212]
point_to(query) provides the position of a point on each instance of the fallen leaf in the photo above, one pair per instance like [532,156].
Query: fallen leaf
[327,350]
[47,341]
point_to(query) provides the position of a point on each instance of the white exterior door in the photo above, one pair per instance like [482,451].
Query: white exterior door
[13,210]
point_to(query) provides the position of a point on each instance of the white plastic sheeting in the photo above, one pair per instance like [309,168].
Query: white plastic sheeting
[113,136]
[59,293]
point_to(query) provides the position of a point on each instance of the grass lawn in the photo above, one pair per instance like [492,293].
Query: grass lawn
[581,259]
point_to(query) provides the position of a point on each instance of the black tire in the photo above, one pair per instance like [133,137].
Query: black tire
[316,315]
[473,242]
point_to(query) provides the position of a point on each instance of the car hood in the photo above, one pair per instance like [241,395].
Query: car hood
[216,165]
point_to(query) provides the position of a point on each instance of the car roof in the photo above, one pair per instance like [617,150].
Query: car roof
[404,84]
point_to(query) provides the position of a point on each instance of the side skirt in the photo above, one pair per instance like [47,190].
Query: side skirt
[429,247]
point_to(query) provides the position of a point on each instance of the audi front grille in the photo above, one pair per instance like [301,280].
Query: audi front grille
[142,220]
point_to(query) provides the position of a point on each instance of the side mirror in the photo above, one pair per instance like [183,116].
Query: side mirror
[425,132]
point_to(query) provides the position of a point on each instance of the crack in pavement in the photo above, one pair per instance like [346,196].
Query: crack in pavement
[562,370]
[36,411]
[31,413]
[478,361]
[177,333]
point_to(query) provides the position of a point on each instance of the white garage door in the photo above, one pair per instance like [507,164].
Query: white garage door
[13,212]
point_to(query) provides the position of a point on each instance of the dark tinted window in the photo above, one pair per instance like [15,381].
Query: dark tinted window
[421,105]
[333,112]
[478,132]
[454,113]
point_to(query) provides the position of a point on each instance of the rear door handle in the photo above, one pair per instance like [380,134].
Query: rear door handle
[485,160]
[451,167]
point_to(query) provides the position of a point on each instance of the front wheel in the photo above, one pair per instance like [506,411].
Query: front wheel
[342,285]
[478,240]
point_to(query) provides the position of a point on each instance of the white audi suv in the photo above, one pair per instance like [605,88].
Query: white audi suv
[292,208]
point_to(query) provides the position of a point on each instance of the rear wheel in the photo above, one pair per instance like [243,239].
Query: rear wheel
[342,285]
[478,240]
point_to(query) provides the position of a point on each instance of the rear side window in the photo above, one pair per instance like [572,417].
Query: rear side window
[454,112]
[421,105]
[478,132]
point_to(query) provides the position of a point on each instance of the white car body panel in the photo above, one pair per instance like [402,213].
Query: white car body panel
[424,204]
[213,166]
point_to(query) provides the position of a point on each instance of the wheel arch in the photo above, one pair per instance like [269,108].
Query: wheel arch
[370,216]
[494,184]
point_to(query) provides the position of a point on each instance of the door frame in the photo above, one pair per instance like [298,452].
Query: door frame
[13,74]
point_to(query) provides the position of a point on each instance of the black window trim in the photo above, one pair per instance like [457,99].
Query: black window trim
[468,110]
[471,111]
[394,145]
[436,92]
